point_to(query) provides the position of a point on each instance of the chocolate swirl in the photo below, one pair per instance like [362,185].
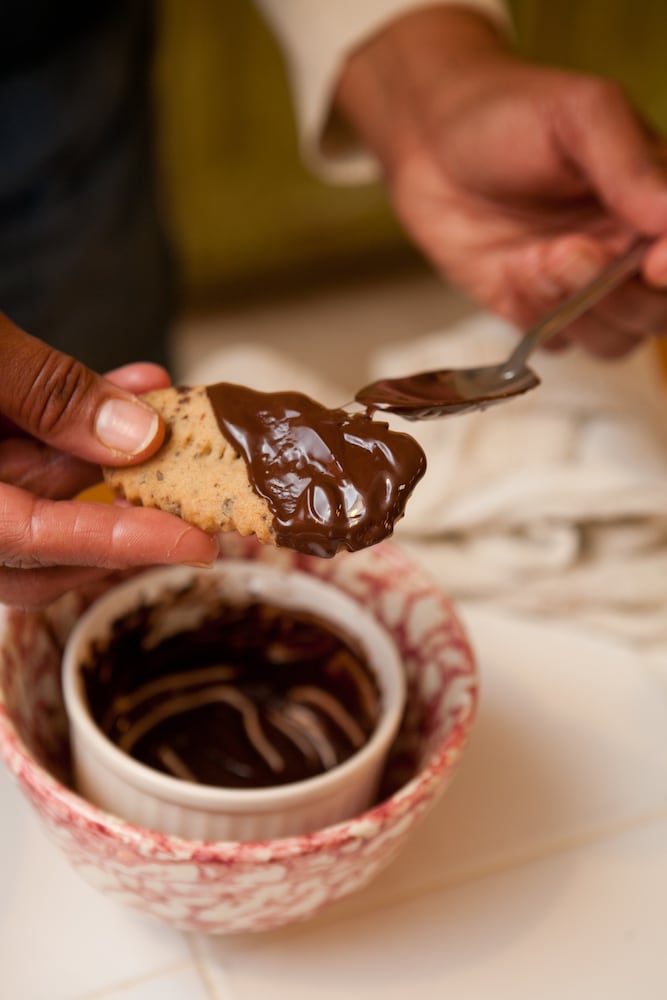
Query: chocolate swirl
[331,479]
[254,696]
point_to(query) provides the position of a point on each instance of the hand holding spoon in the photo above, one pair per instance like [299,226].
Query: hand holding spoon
[458,390]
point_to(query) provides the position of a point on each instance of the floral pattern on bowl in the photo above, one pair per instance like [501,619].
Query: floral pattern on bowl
[225,887]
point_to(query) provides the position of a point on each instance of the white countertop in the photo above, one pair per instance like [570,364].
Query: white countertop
[542,873]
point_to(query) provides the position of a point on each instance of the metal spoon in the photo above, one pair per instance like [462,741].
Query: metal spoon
[458,390]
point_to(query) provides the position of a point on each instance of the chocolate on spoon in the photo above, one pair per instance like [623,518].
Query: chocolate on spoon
[425,395]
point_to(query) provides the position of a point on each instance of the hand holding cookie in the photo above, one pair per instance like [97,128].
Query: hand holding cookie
[59,422]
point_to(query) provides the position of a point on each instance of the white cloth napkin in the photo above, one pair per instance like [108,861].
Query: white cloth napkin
[553,504]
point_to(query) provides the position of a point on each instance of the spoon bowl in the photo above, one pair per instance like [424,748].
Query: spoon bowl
[426,395]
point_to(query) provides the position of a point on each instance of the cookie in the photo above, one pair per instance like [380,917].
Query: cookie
[277,465]
[197,474]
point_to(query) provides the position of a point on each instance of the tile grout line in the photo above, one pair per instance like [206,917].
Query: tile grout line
[203,968]
[553,850]
[556,848]
[129,984]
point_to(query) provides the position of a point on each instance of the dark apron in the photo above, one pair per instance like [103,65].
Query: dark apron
[83,259]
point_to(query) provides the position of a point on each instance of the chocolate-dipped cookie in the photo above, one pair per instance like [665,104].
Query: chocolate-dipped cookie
[277,465]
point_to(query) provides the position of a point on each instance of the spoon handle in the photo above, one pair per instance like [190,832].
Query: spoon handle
[612,276]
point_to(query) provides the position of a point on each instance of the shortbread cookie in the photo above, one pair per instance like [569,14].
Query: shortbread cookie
[277,465]
[197,474]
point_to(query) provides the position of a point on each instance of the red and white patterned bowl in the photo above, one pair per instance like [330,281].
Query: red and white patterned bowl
[229,886]
[115,781]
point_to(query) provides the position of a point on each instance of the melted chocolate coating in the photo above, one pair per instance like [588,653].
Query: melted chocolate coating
[331,479]
[253,696]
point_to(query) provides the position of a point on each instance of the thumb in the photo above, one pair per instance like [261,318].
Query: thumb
[58,400]
[605,136]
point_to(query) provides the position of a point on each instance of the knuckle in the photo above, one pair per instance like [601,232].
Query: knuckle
[17,520]
[599,93]
[610,92]
[585,101]
[59,389]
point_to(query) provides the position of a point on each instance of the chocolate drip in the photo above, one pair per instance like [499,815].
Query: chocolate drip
[331,479]
[254,696]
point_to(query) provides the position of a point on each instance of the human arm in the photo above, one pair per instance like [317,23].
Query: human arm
[519,182]
[58,423]
[316,38]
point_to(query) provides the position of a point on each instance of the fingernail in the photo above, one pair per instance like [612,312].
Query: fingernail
[126,427]
[578,269]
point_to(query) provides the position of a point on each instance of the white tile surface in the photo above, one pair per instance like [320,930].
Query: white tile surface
[569,741]
[542,874]
[543,855]
[550,844]
[587,923]
[59,938]
[181,984]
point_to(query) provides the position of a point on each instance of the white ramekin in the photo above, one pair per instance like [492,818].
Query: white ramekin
[111,779]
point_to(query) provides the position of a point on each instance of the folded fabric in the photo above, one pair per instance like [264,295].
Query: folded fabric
[556,502]
[552,504]
[263,368]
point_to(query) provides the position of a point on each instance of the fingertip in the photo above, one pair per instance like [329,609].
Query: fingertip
[130,427]
[195,547]
[654,270]
[142,376]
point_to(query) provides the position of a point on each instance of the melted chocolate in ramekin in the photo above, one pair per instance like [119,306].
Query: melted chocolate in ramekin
[254,696]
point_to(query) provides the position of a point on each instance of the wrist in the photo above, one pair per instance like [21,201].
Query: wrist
[394,85]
